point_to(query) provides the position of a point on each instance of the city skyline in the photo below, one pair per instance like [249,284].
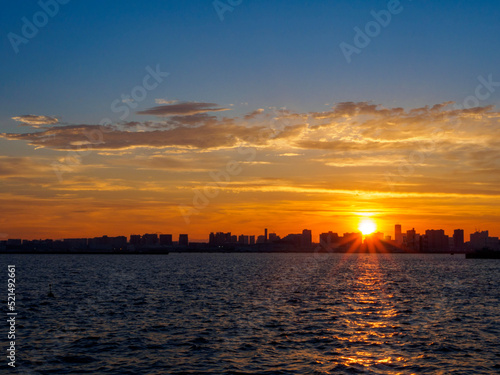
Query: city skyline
[356,116]
[398,236]
[363,223]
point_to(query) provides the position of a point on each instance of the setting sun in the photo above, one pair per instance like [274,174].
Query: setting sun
[367,226]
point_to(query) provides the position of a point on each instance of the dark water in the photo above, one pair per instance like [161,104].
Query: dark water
[257,314]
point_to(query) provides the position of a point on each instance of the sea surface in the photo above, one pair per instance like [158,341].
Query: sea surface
[255,314]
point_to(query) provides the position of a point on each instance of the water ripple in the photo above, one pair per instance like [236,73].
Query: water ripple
[258,314]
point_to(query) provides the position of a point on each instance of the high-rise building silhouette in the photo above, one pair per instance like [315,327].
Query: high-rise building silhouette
[166,239]
[329,238]
[221,238]
[273,237]
[478,239]
[398,235]
[135,239]
[243,239]
[149,239]
[412,240]
[306,237]
[458,239]
[435,241]
[183,240]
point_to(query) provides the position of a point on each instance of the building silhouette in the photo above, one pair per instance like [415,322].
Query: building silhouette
[183,240]
[329,240]
[261,239]
[458,240]
[243,239]
[412,240]
[273,237]
[398,235]
[166,240]
[135,239]
[435,241]
[482,240]
[306,238]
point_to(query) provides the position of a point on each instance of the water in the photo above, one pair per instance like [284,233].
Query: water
[257,314]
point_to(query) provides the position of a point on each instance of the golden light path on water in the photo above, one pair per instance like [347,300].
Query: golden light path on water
[375,313]
[371,316]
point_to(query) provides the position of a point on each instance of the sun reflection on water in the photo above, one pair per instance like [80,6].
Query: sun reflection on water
[369,317]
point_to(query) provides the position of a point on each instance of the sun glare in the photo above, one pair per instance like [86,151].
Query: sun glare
[367,226]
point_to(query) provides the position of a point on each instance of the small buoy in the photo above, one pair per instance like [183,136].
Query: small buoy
[50,294]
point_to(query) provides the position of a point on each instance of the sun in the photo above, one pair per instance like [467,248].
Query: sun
[367,226]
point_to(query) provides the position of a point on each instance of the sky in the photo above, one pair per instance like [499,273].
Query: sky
[128,117]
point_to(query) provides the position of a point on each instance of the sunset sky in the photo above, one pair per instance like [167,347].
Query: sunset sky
[133,117]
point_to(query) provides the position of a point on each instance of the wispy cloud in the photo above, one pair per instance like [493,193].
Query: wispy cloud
[348,127]
[182,108]
[12,166]
[35,120]
[253,114]
[165,101]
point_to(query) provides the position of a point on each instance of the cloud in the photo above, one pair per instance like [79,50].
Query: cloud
[196,120]
[164,101]
[11,166]
[350,109]
[359,128]
[35,120]
[180,163]
[253,114]
[205,136]
[183,109]
[84,183]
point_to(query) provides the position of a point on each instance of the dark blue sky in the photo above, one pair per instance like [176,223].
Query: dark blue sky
[264,53]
